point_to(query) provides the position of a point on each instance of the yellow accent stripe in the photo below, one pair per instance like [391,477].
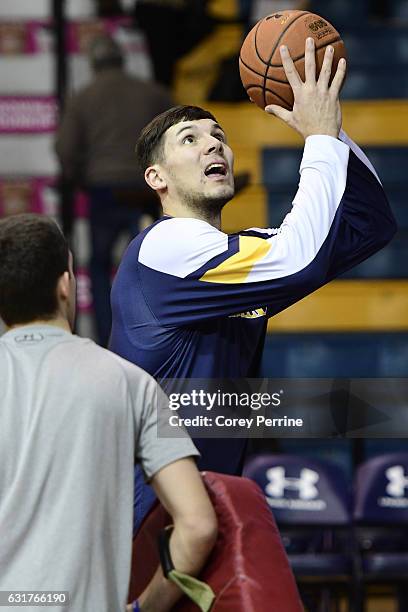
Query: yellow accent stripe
[236,268]
[348,305]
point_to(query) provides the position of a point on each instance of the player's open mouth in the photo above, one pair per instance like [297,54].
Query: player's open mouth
[216,170]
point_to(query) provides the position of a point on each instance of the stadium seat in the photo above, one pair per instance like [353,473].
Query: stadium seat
[310,500]
[397,196]
[372,47]
[326,355]
[341,13]
[390,262]
[381,514]
[248,569]
[399,9]
[375,83]
[281,167]
[280,202]
[281,176]
[391,163]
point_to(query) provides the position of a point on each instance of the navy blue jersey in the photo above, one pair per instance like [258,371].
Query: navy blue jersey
[190,301]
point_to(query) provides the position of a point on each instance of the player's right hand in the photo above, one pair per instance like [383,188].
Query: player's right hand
[316,109]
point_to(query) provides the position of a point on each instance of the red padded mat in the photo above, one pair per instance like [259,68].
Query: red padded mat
[248,569]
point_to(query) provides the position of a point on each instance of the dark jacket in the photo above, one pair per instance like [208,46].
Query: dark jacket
[101,124]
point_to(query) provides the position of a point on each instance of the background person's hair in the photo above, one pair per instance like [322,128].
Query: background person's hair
[104,52]
[149,146]
[33,256]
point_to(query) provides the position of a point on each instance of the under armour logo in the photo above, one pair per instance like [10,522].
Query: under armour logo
[305,484]
[398,482]
[29,338]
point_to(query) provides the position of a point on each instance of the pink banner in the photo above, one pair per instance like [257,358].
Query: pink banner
[36,194]
[41,37]
[28,194]
[26,37]
[27,115]
[84,291]
[80,33]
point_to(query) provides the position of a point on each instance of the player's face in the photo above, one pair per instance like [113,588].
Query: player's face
[198,163]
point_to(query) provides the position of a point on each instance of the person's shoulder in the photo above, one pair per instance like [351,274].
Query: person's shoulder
[178,246]
[104,360]
[139,383]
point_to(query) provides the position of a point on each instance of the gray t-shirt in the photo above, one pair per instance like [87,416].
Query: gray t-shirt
[73,419]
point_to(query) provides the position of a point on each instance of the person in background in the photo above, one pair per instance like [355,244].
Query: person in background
[95,146]
[74,418]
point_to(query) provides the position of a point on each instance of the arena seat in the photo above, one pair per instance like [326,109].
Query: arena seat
[399,9]
[381,514]
[375,83]
[370,47]
[248,569]
[281,175]
[341,13]
[325,355]
[281,166]
[311,503]
[390,262]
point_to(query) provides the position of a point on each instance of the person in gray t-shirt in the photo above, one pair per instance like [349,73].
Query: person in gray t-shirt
[73,419]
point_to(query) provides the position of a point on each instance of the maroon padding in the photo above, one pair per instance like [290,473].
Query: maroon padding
[247,570]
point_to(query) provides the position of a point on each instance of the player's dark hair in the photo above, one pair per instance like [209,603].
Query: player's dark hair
[149,146]
[33,255]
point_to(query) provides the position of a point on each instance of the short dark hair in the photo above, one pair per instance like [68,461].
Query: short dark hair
[149,146]
[33,256]
[104,52]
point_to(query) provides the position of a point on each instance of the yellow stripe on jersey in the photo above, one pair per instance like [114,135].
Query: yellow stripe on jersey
[236,268]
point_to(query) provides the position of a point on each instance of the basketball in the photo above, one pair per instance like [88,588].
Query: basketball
[260,64]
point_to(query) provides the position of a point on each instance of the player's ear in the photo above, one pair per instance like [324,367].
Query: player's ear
[64,286]
[154,178]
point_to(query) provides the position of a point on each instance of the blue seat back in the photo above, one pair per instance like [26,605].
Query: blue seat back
[301,491]
[381,490]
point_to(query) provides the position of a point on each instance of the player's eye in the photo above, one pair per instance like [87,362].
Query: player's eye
[220,136]
[188,139]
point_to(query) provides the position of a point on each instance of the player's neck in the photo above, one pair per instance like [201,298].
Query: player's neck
[179,210]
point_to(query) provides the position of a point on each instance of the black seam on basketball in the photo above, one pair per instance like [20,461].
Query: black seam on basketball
[256,47]
[256,50]
[269,78]
[276,44]
[251,69]
[280,65]
[274,80]
[270,91]
[302,56]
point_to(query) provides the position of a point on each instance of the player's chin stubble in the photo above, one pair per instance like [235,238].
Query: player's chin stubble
[212,204]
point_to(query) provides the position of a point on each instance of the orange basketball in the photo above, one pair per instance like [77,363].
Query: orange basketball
[260,63]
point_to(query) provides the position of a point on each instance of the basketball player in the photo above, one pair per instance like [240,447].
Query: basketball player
[190,301]
[73,418]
